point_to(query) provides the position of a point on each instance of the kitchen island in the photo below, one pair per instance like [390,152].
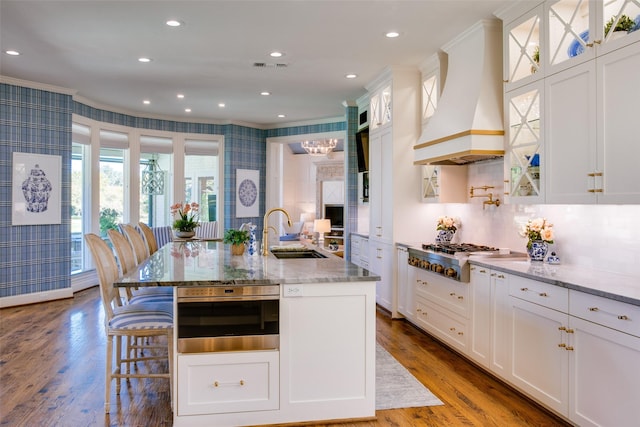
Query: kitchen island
[323,364]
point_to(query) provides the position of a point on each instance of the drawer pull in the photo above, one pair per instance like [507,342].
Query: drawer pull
[500,276]
[570,331]
[562,345]
[562,328]
[483,271]
[453,294]
[619,316]
[460,333]
[543,294]
[524,289]
[452,329]
[219,384]
[569,348]
[460,297]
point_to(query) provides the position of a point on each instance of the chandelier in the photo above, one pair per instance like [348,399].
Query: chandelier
[152,179]
[320,147]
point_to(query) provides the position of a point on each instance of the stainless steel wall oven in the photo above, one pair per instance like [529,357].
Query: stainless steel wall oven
[228,318]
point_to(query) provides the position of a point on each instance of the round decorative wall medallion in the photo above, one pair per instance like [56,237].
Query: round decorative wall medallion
[248,192]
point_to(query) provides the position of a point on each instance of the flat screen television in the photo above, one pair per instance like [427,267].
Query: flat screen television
[335,213]
[362,149]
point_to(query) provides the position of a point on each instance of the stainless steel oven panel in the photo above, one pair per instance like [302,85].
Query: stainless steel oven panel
[236,343]
[234,291]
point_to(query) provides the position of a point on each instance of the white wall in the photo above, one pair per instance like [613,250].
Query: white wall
[604,237]
[299,181]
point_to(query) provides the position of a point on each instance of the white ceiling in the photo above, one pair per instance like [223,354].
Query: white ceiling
[92,47]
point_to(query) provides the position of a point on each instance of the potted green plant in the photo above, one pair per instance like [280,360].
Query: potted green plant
[237,239]
[536,59]
[625,24]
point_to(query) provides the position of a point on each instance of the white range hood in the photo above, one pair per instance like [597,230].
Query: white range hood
[467,126]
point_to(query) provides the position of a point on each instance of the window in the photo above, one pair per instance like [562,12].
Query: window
[156,152]
[107,162]
[201,172]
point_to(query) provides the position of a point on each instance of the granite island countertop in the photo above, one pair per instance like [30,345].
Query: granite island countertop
[615,286]
[210,263]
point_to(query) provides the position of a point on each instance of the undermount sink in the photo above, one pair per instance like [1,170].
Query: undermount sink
[308,254]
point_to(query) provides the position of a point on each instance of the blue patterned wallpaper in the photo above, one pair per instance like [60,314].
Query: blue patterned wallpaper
[37,258]
[34,258]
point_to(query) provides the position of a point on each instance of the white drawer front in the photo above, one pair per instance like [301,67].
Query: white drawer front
[445,292]
[551,296]
[449,327]
[607,312]
[228,382]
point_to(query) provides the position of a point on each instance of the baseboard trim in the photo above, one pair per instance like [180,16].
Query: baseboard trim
[35,297]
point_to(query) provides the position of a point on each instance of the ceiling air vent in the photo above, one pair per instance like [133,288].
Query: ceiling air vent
[269,65]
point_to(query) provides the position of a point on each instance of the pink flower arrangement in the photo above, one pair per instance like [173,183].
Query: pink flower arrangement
[187,216]
[447,223]
[537,229]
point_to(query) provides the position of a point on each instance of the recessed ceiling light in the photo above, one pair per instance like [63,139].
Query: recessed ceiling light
[265,93]
[281,116]
[351,76]
[180,96]
[187,110]
[12,52]
[392,34]
[173,23]
[143,59]
[276,54]
[146,102]
[221,105]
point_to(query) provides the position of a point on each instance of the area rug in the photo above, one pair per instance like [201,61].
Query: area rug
[396,387]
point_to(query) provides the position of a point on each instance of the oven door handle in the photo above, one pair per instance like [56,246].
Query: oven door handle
[230,298]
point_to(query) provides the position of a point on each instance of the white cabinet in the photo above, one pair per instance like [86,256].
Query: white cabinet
[540,363]
[591,139]
[524,144]
[404,275]
[576,30]
[380,107]
[522,41]
[604,351]
[570,94]
[489,319]
[216,383]
[442,308]
[360,251]
[327,351]
[381,263]
[380,184]
[481,314]
[393,179]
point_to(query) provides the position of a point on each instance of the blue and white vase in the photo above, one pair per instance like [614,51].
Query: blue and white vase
[252,244]
[444,236]
[537,250]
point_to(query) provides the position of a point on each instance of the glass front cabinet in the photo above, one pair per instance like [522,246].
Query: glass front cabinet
[524,181]
[380,108]
[579,30]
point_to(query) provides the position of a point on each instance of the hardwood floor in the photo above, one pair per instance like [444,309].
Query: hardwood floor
[52,374]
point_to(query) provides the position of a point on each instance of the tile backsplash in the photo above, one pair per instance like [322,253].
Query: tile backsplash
[604,237]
